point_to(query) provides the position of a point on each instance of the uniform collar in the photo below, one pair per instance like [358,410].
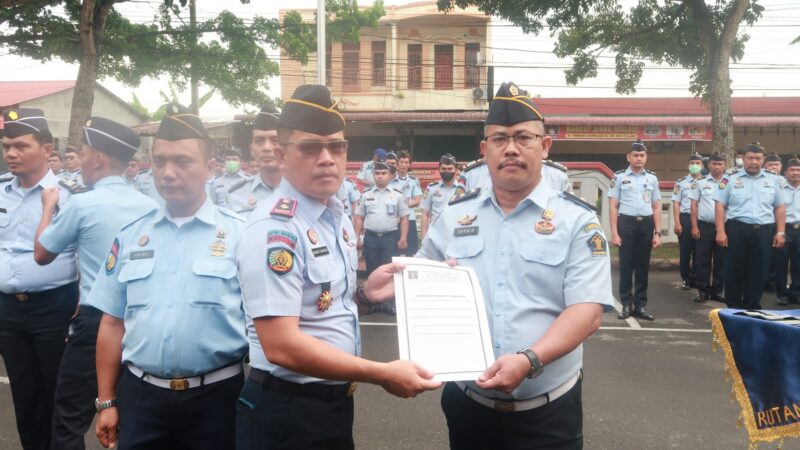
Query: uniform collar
[109,180]
[206,213]
[630,171]
[48,180]
[761,173]
[260,182]
[538,196]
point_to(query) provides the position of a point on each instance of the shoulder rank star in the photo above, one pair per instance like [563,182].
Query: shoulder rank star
[467,220]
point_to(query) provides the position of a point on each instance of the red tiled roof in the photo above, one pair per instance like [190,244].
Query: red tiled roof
[13,93]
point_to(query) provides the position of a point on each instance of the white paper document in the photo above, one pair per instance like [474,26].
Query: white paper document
[441,319]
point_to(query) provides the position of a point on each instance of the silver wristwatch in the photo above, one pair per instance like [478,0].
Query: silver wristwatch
[99,406]
[536,366]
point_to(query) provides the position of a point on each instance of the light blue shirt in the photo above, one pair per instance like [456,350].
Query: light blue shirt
[72,176]
[365,173]
[20,214]
[382,209]
[410,188]
[477,177]
[635,192]
[246,195]
[222,184]
[436,197]
[681,193]
[791,196]
[527,278]
[750,199]
[92,220]
[285,265]
[704,192]
[146,184]
[176,290]
[348,193]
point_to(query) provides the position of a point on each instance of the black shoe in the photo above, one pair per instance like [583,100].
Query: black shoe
[783,301]
[702,298]
[625,313]
[717,298]
[684,285]
[642,313]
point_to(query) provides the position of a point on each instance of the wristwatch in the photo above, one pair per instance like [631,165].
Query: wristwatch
[361,298]
[657,233]
[780,233]
[536,366]
[99,406]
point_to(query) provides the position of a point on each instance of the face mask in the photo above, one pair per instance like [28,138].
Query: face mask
[694,169]
[739,162]
[447,176]
[232,166]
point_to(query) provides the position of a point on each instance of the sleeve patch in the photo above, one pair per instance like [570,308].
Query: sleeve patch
[113,256]
[282,237]
[598,245]
[280,260]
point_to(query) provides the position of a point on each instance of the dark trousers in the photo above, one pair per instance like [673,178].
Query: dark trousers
[634,258]
[688,259]
[154,418]
[413,239]
[557,425]
[77,382]
[379,248]
[32,335]
[268,418]
[779,269]
[793,252]
[746,263]
[710,257]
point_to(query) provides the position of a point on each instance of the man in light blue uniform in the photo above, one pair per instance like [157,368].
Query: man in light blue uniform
[349,195]
[244,196]
[172,336]
[750,219]
[72,163]
[364,175]
[129,176]
[232,175]
[36,303]
[704,232]
[635,217]
[298,275]
[476,175]
[532,243]
[438,193]
[412,192]
[89,220]
[791,194]
[681,211]
[146,184]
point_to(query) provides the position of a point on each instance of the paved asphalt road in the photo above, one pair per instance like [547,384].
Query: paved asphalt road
[647,386]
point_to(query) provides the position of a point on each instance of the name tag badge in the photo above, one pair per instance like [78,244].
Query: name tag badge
[3,210]
[142,254]
[390,209]
[738,184]
[465,231]
[320,251]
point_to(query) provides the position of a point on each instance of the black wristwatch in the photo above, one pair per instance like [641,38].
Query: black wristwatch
[99,406]
[361,298]
[536,366]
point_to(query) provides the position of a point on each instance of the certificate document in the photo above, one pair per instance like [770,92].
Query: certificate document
[441,319]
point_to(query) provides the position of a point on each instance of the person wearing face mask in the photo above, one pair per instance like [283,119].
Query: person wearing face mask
[738,162]
[232,175]
[681,211]
[437,194]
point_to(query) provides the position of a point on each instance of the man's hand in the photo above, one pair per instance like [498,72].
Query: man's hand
[616,241]
[379,287]
[50,197]
[106,428]
[656,241]
[402,244]
[722,239]
[360,244]
[678,228]
[407,379]
[778,241]
[696,233]
[507,372]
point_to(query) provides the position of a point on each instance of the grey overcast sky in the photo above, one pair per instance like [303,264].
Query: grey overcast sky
[771,67]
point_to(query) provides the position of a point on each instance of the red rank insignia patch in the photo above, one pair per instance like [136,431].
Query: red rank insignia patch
[285,207]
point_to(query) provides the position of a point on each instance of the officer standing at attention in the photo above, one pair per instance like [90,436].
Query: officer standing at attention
[73,166]
[298,280]
[413,198]
[349,195]
[244,196]
[681,211]
[704,231]
[525,241]
[364,175]
[36,303]
[791,194]
[750,218]
[635,216]
[438,193]
[233,175]
[776,277]
[172,336]
[383,216]
[89,220]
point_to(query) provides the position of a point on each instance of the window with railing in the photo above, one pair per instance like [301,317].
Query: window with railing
[472,71]
[414,66]
[350,55]
[443,66]
[379,63]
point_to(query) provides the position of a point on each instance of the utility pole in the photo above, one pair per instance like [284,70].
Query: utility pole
[320,42]
[194,107]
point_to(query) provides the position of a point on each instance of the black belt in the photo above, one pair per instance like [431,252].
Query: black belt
[754,226]
[685,214]
[382,233]
[318,390]
[636,218]
[29,296]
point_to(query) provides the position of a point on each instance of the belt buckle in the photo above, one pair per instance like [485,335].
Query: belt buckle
[796,226]
[351,389]
[639,218]
[504,406]
[22,297]
[179,384]
[756,226]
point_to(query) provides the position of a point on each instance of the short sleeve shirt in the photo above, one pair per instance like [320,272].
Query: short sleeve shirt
[635,192]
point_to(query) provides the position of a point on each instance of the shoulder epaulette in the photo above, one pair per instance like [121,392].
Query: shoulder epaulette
[397,190]
[770,171]
[411,177]
[285,207]
[144,170]
[473,164]
[432,183]
[731,171]
[231,214]
[72,186]
[555,165]
[6,179]
[620,171]
[465,196]
[238,185]
[649,171]
[577,200]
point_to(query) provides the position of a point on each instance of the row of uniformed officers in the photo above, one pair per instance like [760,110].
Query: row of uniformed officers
[163,303]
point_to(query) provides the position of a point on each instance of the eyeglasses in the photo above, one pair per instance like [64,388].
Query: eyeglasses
[314,148]
[523,140]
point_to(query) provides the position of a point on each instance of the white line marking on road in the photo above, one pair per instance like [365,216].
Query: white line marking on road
[630,320]
[4,380]
[639,328]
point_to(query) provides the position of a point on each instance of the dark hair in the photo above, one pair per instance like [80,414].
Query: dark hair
[57,155]
[404,154]
[70,150]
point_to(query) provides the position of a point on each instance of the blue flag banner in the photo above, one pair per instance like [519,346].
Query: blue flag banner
[762,358]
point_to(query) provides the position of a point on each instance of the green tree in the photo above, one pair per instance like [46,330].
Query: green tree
[226,53]
[173,97]
[694,34]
